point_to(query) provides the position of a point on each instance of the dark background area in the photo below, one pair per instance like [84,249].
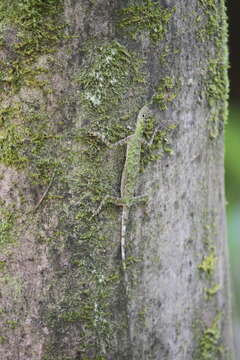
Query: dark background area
[234,43]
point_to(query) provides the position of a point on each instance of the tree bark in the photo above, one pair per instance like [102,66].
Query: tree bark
[74,76]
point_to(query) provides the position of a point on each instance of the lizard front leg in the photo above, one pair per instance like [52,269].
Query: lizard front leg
[120,202]
[106,142]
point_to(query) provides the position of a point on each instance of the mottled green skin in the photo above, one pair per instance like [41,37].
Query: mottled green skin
[131,168]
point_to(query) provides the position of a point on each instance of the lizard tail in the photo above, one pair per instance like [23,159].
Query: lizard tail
[125,214]
[123,249]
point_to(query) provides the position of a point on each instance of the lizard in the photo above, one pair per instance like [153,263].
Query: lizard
[129,178]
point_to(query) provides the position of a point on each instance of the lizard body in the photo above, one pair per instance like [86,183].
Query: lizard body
[129,179]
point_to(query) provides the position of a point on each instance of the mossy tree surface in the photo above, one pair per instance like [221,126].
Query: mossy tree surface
[73,77]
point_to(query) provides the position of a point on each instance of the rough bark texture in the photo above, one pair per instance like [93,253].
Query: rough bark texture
[73,69]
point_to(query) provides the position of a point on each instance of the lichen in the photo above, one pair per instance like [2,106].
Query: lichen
[105,76]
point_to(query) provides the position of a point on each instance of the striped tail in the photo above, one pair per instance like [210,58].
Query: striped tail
[125,213]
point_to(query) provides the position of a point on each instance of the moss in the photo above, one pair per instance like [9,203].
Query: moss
[210,292]
[37,32]
[15,287]
[29,29]
[83,292]
[87,294]
[25,127]
[164,54]
[106,76]
[154,147]
[217,96]
[212,21]
[214,31]
[210,342]
[149,17]
[88,306]
[208,3]
[216,86]
[12,137]
[24,138]
[164,94]
[12,324]
[208,263]
[2,265]
[3,340]
[215,23]
[11,144]
[7,220]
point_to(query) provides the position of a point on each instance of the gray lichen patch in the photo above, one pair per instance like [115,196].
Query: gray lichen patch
[108,76]
[105,78]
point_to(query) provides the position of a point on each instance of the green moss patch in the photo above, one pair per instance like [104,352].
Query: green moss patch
[217,95]
[210,342]
[7,219]
[156,142]
[214,31]
[164,94]
[210,292]
[149,17]
[208,263]
[24,137]
[11,145]
[86,292]
[35,31]
[106,76]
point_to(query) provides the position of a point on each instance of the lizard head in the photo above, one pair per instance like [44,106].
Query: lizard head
[144,113]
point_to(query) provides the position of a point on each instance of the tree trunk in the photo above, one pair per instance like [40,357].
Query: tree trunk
[74,76]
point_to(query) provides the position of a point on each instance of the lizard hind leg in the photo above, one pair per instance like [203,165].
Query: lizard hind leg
[108,199]
[139,199]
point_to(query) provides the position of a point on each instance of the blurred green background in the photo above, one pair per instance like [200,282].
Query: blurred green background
[232,165]
[232,176]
